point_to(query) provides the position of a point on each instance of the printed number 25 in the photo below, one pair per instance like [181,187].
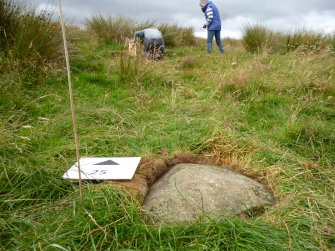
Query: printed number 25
[98,172]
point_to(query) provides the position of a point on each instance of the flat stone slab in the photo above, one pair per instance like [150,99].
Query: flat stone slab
[189,191]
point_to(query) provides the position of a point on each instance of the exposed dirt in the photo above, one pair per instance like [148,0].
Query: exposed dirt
[151,168]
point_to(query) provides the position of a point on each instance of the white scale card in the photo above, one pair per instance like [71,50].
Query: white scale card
[118,168]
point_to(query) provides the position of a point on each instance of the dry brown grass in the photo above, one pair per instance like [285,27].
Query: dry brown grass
[234,46]
[77,35]
[189,62]
[239,76]
[224,150]
[234,81]
[219,152]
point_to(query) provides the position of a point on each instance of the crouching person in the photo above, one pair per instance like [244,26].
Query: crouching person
[153,43]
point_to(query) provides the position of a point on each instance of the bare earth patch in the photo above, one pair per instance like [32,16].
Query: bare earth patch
[152,169]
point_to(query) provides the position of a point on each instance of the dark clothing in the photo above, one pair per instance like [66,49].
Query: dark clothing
[153,42]
[153,45]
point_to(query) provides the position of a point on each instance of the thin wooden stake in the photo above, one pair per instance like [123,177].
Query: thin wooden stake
[74,123]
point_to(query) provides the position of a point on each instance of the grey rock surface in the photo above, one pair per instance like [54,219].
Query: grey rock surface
[189,191]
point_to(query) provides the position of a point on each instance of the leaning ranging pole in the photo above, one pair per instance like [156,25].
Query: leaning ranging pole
[74,123]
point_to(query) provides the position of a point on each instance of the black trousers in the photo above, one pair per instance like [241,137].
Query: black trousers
[154,46]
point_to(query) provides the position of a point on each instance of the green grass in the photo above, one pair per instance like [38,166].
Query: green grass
[115,30]
[258,38]
[175,35]
[332,41]
[30,41]
[111,30]
[255,37]
[105,219]
[269,115]
[306,40]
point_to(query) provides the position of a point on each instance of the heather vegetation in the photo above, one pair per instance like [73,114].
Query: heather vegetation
[265,108]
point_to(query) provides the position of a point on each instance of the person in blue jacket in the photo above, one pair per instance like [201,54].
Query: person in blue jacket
[213,24]
[153,42]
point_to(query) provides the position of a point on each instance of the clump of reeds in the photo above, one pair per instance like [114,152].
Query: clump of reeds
[111,30]
[276,43]
[306,40]
[175,35]
[118,29]
[255,37]
[9,16]
[29,40]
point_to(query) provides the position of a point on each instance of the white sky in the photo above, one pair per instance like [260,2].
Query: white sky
[284,15]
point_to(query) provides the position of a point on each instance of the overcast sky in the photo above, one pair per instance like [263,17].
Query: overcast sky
[283,15]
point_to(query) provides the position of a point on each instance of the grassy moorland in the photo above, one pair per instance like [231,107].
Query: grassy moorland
[265,112]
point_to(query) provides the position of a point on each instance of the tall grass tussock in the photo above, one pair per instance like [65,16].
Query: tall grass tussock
[30,41]
[175,35]
[111,30]
[117,30]
[258,38]
[307,41]
[255,37]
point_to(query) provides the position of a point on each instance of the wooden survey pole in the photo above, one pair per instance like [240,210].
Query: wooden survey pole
[74,123]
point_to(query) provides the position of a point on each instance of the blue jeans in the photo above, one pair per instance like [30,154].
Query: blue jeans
[210,36]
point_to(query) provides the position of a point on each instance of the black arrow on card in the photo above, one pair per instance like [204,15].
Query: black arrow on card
[107,163]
